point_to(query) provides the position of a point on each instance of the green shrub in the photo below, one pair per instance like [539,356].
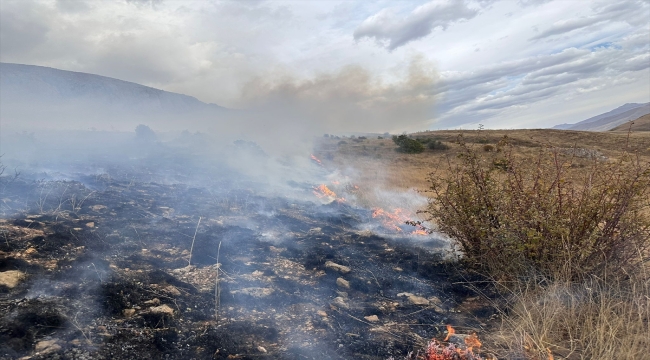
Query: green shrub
[408,145]
[438,145]
[511,215]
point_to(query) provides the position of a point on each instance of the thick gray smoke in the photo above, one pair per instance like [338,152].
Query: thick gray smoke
[350,100]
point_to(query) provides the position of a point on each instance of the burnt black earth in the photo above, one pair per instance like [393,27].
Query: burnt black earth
[121,267]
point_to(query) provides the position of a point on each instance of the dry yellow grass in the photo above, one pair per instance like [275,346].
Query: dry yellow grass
[376,161]
[598,318]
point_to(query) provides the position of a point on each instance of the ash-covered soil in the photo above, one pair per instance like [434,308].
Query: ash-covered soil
[100,269]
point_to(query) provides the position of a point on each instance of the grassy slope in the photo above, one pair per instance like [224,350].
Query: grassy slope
[640,124]
[376,161]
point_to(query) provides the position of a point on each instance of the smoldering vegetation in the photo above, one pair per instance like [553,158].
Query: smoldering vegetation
[229,240]
[184,245]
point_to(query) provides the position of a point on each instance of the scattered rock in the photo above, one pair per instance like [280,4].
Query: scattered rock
[372,318]
[321,313]
[162,309]
[340,268]
[341,282]
[418,300]
[90,224]
[261,349]
[31,251]
[128,313]
[11,278]
[97,207]
[154,301]
[339,302]
[398,269]
[171,289]
[255,292]
[47,346]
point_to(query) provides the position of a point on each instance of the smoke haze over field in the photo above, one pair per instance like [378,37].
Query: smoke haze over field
[499,63]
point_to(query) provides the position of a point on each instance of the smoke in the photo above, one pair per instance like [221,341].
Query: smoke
[283,108]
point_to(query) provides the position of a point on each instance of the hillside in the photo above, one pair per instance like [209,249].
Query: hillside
[376,161]
[37,96]
[610,119]
[640,124]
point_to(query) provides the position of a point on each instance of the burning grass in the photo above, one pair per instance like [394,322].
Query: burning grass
[563,217]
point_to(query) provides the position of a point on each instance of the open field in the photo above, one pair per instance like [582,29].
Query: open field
[377,162]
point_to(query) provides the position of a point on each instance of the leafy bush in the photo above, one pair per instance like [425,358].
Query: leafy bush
[144,133]
[511,215]
[408,145]
[438,145]
[249,147]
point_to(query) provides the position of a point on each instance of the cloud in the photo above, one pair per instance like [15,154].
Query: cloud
[385,26]
[488,92]
[635,12]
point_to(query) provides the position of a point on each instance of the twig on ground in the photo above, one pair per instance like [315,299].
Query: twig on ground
[217,288]
[189,261]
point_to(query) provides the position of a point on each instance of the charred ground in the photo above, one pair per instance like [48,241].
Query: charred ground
[101,268]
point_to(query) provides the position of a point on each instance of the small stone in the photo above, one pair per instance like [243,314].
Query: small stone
[90,224]
[398,269]
[171,289]
[321,313]
[341,282]
[11,278]
[418,300]
[162,309]
[154,301]
[47,346]
[372,318]
[128,313]
[340,268]
[255,292]
[261,349]
[30,251]
[340,302]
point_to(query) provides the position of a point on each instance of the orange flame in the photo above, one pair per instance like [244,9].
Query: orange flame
[472,342]
[322,191]
[450,331]
[392,220]
[316,160]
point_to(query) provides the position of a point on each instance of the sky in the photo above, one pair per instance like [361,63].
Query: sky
[428,64]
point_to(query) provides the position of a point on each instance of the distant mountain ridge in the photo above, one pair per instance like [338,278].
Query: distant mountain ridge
[28,92]
[639,124]
[610,119]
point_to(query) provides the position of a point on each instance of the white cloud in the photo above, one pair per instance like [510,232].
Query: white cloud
[385,26]
[594,53]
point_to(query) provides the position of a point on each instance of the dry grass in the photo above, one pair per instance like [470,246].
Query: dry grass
[376,161]
[593,317]
[599,318]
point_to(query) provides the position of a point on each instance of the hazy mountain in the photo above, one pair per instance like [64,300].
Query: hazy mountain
[42,96]
[610,119]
